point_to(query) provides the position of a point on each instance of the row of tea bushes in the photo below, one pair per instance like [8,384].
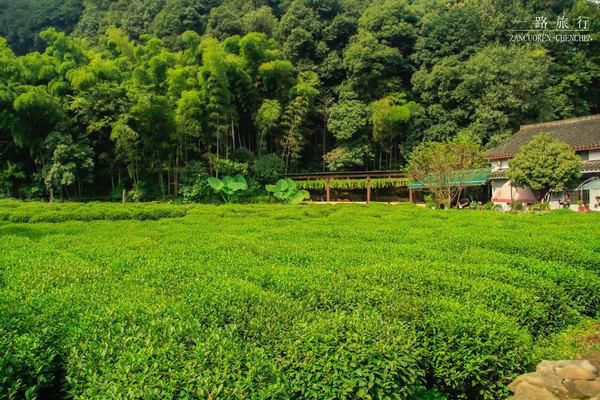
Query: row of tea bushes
[272,302]
[35,212]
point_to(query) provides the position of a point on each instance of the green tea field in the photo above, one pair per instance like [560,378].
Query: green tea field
[158,301]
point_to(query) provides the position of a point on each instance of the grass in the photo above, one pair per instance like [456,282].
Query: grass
[322,302]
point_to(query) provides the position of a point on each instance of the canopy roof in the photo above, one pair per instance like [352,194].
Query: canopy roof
[590,184]
[471,177]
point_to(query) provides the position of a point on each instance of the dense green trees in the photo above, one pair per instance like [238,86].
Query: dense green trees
[489,94]
[141,89]
[22,21]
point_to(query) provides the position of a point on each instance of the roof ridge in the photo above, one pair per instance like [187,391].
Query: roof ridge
[560,121]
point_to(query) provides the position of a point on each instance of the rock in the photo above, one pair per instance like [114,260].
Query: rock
[562,379]
[546,368]
[575,373]
[552,382]
[588,366]
[527,391]
[587,388]
[594,359]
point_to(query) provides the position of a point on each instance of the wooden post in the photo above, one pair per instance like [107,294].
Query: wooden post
[124,196]
[410,195]
[327,190]
[368,189]
[51,196]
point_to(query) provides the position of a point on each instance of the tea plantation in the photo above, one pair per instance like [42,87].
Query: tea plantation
[278,302]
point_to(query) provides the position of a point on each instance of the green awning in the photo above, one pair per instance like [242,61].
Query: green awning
[471,177]
[592,184]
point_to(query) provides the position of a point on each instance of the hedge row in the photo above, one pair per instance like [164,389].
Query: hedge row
[35,212]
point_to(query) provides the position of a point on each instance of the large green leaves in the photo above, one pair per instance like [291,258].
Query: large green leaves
[286,191]
[299,196]
[228,187]
[215,183]
[281,185]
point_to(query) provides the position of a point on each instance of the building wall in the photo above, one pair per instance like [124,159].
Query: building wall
[496,185]
[594,155]
[499,164]
[555,199]
[593,194]
[503,193]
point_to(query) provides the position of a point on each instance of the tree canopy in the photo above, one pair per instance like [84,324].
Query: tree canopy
[445,168]
[97,95]
[544,164]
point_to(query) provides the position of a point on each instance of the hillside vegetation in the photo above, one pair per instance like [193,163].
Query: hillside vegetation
[99,96]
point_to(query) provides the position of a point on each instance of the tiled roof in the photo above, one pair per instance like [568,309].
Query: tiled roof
[498,174]
[581,133]
[590,166]
[586,167]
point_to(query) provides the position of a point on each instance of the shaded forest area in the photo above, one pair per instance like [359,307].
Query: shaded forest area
[153,95]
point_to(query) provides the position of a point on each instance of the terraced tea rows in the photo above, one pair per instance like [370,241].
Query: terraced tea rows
[344,301]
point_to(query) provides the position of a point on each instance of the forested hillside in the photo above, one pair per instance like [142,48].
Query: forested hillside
[149,95]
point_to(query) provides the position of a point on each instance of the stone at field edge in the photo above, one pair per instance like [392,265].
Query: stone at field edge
[560,380]
[527,391]
[575,373]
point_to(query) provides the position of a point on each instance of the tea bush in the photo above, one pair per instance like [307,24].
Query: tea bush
[32,212]
[279,302]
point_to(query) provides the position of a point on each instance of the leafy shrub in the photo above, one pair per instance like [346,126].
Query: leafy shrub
[269,168]
[227,167]
[229,188]
[28,360]
[243,156]
[255,193]
[285,190]
[429,201]
[197,192]
[117,193]
[193,171]
[431,394]
[472,353]
[32,192]
[517,206]
[194,178]
[141,191]
[353,357]
[490,205]
[265,301]
[538,207]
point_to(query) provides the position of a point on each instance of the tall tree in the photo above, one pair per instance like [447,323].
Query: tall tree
[544,164]
[444,168]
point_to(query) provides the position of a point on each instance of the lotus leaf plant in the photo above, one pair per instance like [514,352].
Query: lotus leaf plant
[286,191]
[229,188]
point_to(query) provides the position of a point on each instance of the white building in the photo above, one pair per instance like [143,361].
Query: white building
[582,134]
